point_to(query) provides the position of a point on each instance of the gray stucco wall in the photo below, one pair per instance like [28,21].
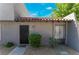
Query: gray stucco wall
[73,32]
[9,11]
[9,33]
[73,36]
[6,11]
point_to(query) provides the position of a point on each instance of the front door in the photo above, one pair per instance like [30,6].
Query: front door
[24,32]
[59,33]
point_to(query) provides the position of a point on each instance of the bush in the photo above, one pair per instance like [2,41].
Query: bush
[34,40]
[53,42]
[9,44]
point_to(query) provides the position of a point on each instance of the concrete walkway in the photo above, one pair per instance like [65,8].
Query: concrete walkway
[61,50]
[64,50]
[43,50]
[18,51]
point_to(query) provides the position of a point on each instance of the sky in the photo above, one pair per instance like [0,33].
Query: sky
[40,9]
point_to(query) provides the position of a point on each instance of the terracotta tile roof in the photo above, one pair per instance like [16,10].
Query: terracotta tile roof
[32,19]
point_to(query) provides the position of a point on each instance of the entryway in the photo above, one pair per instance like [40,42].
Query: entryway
[60,32]
[24,33]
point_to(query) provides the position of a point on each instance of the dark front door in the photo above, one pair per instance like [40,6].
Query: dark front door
[24,32]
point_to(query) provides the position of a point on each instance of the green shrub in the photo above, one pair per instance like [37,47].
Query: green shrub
[53,42]
[34,40]
[9,44]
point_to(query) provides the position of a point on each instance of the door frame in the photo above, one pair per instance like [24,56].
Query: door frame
[60,24]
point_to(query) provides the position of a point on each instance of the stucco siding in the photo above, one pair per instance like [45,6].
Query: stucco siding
[10,31]
[43,28]
[6,11]
[73,32]
[73,36]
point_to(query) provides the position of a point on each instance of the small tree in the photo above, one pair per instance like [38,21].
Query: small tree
[64,9]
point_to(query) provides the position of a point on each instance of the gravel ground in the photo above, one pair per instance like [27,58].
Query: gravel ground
[65,50]
[71,51]
[40,51]
[51,51]
[5,51]
[44,50]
